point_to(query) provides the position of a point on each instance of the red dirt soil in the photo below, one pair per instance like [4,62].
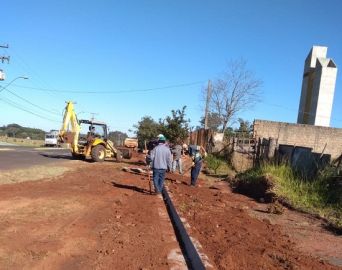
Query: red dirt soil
[96,217]
[233,239]
[100,217]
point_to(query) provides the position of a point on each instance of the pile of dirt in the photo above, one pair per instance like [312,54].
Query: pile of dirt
[258,189]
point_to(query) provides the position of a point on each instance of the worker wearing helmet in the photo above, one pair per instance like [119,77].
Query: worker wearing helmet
[161,161]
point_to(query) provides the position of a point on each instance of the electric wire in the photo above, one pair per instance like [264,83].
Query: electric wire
[113,92]
[54,91]
[34,76]
[20,107]
[35,105]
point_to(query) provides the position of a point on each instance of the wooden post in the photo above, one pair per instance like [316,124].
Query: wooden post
[207,105]
[272,144]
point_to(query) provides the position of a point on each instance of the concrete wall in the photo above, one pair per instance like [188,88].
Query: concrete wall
[315,137]
[241,162]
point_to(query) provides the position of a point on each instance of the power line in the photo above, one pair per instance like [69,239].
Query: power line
[29,70]
[35,105]
[113,92]
[4,58]
[18,106]
[25,110]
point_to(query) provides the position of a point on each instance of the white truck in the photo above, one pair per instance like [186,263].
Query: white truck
[52,139]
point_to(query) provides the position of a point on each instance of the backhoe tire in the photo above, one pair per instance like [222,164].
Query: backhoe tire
[98,153]
[118,156]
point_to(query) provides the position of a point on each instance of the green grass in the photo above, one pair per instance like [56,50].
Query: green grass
[213,163]
[321,195]
[217,165]
[23,142]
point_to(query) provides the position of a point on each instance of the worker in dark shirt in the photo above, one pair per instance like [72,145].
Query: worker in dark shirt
[197,154]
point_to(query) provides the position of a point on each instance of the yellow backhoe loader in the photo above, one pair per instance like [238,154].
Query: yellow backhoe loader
[88,139]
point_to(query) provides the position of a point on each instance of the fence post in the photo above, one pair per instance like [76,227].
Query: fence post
[234,143]
[272,144]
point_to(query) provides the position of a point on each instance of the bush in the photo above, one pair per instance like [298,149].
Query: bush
[321,195]
[213,163]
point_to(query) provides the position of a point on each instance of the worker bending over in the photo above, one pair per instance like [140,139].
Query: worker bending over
[197,154]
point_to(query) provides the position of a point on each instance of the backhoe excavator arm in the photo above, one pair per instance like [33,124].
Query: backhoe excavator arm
[70,119]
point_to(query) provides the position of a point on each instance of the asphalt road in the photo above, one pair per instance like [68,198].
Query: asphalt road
[15,157]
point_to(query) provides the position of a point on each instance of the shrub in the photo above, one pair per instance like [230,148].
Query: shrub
[213,163]
[321,195]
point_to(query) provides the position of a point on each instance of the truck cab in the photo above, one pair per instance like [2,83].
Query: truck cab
[52,138]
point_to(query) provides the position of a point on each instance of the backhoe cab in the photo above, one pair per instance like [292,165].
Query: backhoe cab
[88,139]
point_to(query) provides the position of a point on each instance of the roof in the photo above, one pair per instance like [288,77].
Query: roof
[92,122]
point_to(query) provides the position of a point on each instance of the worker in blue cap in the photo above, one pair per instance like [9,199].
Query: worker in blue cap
[161,161]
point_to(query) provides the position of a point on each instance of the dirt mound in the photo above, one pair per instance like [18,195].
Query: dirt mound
[258,189]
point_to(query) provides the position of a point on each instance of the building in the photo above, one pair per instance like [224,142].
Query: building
[318,88]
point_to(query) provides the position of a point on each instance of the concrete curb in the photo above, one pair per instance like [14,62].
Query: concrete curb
[190,253]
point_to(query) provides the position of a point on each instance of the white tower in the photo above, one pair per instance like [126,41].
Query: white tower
[318,88]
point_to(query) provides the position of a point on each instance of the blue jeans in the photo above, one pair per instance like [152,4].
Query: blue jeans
[195,170]
[158,179]
[177,163]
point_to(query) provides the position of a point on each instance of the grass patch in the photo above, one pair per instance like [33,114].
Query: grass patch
[31,174]
[23,142]
[321,196]
[213,163]
[217,165]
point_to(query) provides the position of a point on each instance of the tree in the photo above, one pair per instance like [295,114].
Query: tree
[245,127]
[214,121]
[17,131]
[229,132]
[146,130]
[235,91]
[176,126]
[117,137]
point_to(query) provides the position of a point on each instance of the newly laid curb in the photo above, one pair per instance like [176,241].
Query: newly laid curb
[190,253]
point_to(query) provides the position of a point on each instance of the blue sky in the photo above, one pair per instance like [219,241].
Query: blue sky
[99,46]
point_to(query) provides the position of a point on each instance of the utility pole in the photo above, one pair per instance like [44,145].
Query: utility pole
[207,105]
[3,59]
[93,116]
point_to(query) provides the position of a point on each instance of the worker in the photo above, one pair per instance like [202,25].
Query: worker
[197,153]
[161,160]
[177,151]
[91,132]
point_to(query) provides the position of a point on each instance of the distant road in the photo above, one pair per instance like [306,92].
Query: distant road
[6,144]
[16,157]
